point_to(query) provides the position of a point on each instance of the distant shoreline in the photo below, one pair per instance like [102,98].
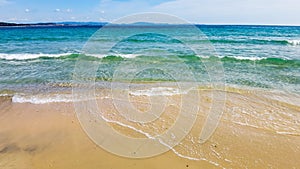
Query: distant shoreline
[58,24]
[6,24]
[47,24]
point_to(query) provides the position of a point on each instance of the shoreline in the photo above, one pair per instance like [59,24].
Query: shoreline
[49,135]
[66,90]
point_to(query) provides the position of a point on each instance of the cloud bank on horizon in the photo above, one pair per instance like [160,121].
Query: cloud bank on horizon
[195,11]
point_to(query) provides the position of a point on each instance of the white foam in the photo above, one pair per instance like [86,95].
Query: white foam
[53,98]
[5,95]
[128,56]
[42,99]
[158,91]
[237,57]
[294,42]
[248,58]
[26,56]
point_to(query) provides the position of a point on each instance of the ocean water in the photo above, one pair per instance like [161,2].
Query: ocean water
[42,59]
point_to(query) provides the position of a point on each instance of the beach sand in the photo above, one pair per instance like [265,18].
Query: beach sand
[44,136]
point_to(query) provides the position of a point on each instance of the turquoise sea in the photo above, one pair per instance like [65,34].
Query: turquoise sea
[42,59]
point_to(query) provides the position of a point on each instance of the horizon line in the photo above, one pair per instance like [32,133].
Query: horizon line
[107,22]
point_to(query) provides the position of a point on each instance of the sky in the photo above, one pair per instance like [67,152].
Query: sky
[278,12]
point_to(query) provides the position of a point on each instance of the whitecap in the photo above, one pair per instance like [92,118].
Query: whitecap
[26,56]
[294,42]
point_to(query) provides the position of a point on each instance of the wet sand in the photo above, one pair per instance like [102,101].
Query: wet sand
[42,136]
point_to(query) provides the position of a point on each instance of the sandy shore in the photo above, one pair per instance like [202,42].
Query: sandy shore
[41,136]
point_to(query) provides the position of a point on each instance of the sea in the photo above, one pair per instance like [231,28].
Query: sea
[43,59]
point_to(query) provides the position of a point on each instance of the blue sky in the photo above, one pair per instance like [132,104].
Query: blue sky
[195,11]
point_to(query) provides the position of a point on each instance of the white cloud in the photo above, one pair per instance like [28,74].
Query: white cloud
[57,10]
[27,10]
[68,10]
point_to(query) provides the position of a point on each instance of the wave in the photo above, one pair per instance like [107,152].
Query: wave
[242,58]
[294,42]
[42,99]
[114,57]
[29,56]
[219,41]
[49,98]
[68,98]
[256,41]
[263,61]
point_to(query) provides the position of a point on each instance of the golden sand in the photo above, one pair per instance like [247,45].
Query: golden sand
[45,136]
